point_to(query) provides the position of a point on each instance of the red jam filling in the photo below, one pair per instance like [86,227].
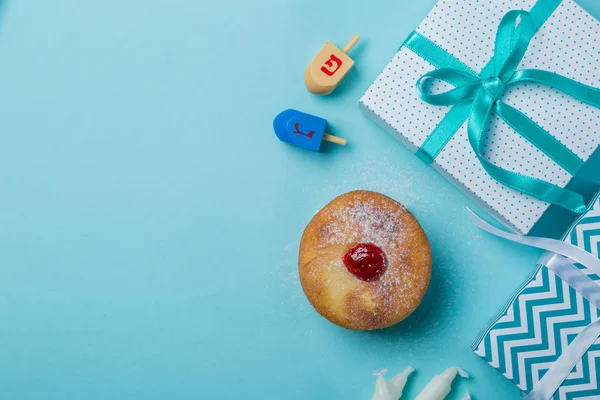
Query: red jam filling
[365,261]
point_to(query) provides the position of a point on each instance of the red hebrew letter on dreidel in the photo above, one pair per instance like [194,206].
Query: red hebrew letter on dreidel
[328,68]
[297,131]
[329,63]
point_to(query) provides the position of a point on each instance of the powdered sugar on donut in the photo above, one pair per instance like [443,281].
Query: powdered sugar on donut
[365,222]
[349,221]
[360,254]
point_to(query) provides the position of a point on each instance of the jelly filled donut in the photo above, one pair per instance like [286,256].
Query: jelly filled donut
[364,262]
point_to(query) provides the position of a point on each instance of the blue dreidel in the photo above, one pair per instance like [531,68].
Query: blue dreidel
[303,130]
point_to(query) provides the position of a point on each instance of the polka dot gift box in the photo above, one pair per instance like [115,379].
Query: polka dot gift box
[502,98]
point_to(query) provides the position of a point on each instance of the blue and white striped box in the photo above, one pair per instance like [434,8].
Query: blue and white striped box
[541,320]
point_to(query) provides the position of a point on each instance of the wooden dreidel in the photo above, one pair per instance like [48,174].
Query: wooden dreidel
[303,130]
[329,67]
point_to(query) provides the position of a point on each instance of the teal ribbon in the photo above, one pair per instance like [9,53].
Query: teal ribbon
[476,97]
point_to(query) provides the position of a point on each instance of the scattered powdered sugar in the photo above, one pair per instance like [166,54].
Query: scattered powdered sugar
[360,254]
[365,222]
[394,289]
[385,173]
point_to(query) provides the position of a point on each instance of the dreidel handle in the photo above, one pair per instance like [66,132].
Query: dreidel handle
[334,139]
[351,43]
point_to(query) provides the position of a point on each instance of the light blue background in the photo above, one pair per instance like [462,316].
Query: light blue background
[150,219]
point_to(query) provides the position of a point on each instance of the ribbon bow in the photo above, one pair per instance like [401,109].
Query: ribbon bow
[483,93]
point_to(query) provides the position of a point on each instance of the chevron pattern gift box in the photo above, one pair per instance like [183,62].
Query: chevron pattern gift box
[492,93]
[541,322]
